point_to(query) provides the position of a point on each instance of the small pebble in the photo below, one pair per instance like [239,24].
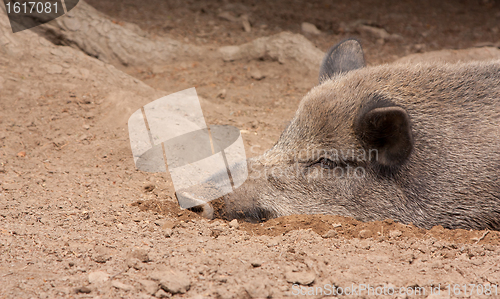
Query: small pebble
[98,277]
[365,233]
[302,278]
[310,28]
[121,286]
[222,94]
[83,290]
[162,294]
[151,287]
[330,234]
[257,75]
[135,263]
[168,232]
[395,233]
[234,224]
[140,254]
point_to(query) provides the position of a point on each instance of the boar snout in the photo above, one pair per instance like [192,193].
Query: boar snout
[219,198]
[228,207]
[203,208]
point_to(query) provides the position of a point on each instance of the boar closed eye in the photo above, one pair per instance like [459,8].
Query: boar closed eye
[329,164]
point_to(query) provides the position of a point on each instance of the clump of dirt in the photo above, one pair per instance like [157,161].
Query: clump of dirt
[349,228]
[334,226]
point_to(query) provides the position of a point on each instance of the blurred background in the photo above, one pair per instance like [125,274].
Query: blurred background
[411,26]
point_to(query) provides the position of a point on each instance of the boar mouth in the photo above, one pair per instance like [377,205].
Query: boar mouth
[255,215]
[245,210]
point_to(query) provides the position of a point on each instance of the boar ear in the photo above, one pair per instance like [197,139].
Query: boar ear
[386,130]
[342,58]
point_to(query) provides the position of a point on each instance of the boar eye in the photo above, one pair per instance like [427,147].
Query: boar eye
[329,164]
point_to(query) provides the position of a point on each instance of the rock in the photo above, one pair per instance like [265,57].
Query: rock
[98,277]
[282,47]
[140,254]
[221,94]
[256,74]
[302,278]
[234,224]
[162,294]
[121,286]
[148,187]
[258,289]
[101,258]
[135,263]
[330,234]
[365,233]
[256,263]
[168,232]
[83,290]
[149,286]
[378,33]
[310,28]
[101,254]
[395,233]
[230,53]
[175,283]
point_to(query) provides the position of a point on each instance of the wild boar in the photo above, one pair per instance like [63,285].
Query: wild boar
[415,143]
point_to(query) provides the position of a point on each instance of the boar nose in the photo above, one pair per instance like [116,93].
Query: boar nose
[202,208]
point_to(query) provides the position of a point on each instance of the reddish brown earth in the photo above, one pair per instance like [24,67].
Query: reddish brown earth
[77,220]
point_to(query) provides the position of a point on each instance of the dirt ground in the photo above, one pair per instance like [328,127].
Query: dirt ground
[77,220]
